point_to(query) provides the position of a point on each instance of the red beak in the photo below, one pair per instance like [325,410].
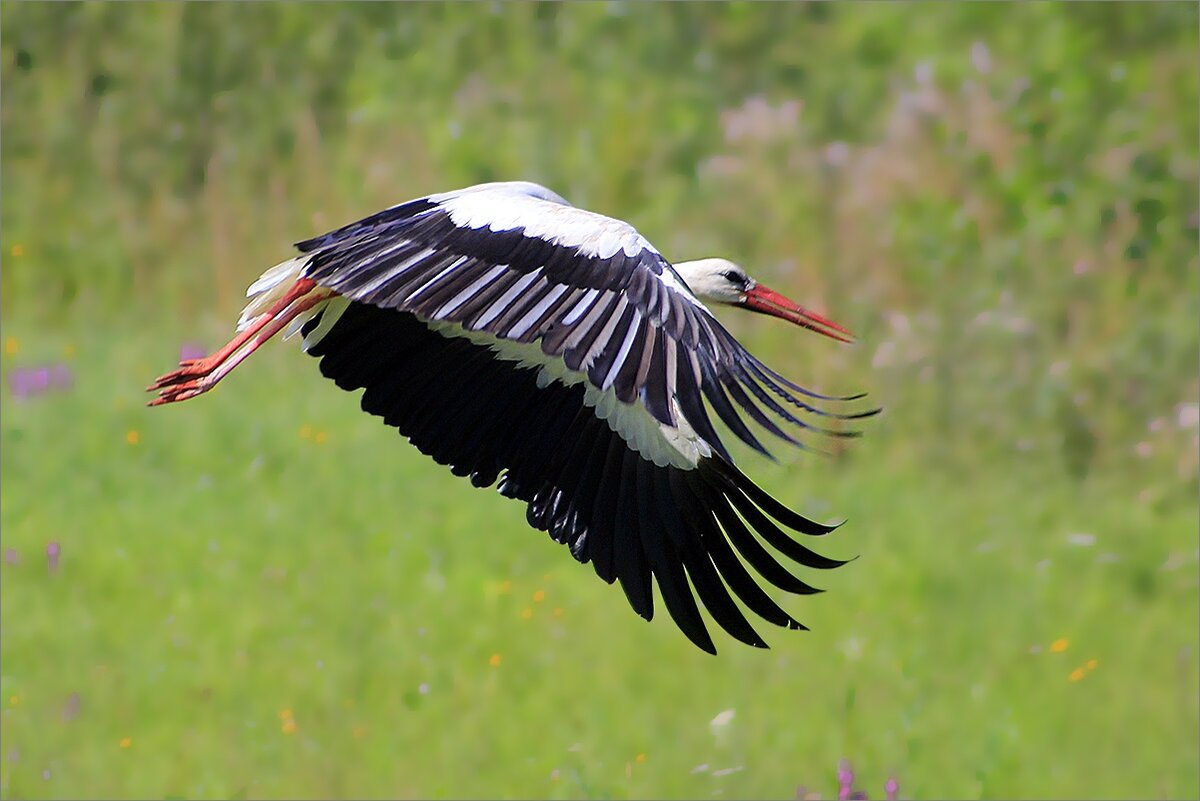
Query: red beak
[767,301]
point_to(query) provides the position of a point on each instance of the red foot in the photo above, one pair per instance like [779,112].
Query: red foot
[189,369]
[180,392]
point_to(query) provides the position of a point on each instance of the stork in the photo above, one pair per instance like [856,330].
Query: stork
[520,340]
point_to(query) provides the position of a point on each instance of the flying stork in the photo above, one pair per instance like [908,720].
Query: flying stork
[516,338]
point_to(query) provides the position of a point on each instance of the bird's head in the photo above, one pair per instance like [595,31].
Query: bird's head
[722,281]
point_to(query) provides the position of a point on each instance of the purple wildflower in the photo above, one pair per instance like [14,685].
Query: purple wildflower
[53,552]
[25,383]
[846,791]
[11,556]
[192,350]
[845,777]
[28,382]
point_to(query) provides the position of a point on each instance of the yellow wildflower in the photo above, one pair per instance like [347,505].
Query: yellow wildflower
[306,431]
[126,742]
[18,251]
[320,437]
[1059,645]
[539,596]
[11,346]
[495,660]
[640,758]
[1077,674]
[132,437]
[14,699]
[1091,664]
[558,611]
[505,587]
[288,726]
[526,613]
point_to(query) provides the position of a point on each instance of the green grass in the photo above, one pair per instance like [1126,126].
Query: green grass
[228,567]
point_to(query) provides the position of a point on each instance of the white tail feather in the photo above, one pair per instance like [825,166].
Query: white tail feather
[270,288]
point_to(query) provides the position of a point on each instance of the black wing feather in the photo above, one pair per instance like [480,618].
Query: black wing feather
[637,522]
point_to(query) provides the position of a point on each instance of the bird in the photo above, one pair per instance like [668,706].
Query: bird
[553,352]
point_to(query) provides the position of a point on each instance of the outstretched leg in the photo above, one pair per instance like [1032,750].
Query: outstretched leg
[197,376]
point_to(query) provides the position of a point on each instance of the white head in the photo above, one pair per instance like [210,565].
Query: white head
[722,281]
[717,280]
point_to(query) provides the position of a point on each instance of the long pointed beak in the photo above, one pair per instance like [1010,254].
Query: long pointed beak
[767,301]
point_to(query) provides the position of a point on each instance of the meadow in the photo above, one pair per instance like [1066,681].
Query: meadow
[266,593]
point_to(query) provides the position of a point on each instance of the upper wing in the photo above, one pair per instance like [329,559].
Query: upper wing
[514,263]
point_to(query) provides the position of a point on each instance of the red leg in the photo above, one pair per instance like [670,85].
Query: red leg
[193,368]
[198,376]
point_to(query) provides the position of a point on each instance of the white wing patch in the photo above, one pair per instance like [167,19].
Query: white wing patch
[505,206]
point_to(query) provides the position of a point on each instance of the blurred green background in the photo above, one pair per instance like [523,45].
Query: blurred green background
[267,593]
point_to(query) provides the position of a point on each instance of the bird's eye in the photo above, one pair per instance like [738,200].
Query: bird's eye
[735,277]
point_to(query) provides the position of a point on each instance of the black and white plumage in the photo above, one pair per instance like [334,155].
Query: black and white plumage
[519,339]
